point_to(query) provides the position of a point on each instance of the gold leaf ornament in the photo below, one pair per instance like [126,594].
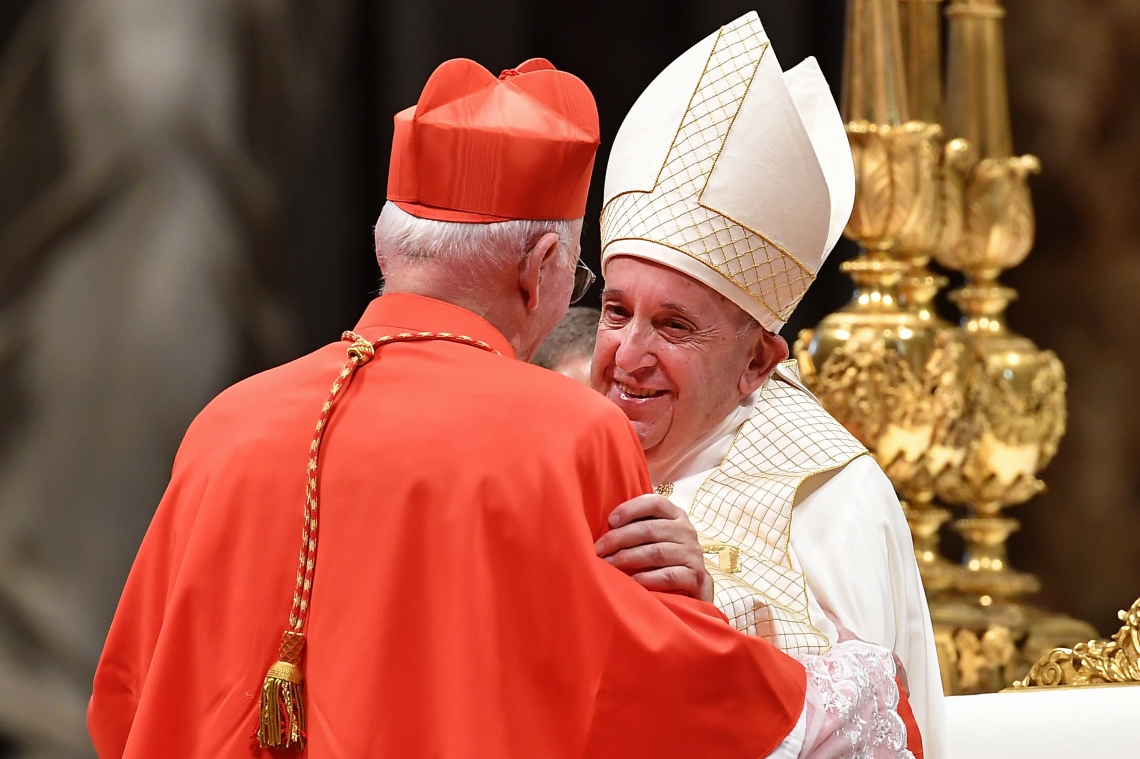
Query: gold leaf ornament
[1116,660]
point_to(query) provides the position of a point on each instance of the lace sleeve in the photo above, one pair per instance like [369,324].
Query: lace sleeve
[851,708]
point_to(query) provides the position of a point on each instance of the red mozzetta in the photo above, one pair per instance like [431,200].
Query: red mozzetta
[458,608]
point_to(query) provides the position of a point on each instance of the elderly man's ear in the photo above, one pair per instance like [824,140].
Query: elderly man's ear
[769,350]
[541,259]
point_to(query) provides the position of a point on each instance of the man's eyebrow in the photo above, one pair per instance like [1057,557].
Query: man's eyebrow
[668,305]
[678,308]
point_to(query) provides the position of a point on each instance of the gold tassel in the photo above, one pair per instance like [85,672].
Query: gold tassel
[281,716]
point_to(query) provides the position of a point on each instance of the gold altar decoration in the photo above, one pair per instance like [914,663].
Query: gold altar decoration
[1014,413]
[969,414]
[1116,660]
[889,370]
[973,663]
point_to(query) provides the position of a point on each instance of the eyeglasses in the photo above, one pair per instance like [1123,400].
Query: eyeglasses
[583,278]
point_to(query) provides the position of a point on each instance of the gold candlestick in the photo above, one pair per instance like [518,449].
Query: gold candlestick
[970,413]
[1015,406]
[977,97]
[874,86]
[893,375]
[1014,413]
[921,34]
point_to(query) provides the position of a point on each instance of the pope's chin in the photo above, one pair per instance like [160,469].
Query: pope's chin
[650,415]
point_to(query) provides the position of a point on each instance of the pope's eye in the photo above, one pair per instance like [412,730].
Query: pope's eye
[614,311]
[676,327]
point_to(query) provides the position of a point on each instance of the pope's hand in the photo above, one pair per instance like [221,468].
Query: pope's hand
[652,540]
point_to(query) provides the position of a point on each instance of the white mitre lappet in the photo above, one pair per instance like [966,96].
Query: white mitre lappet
[739,175]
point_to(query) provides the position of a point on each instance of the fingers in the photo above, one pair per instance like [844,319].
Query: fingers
[646,506]
[900,675]
[652,540]
[844,633]
[649,531]
[655,556]
[670,580]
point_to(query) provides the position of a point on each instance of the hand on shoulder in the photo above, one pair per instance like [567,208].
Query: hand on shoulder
[653,541]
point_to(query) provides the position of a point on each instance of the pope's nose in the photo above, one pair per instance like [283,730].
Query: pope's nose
[634,353]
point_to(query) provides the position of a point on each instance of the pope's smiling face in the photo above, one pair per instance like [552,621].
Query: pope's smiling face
[674,355]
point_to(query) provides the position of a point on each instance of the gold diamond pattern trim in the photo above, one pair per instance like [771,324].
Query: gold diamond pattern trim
[672,213]
[746,503]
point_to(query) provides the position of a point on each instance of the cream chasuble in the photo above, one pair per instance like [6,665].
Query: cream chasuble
[846,553]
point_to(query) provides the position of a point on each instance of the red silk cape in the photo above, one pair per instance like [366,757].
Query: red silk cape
[458,607]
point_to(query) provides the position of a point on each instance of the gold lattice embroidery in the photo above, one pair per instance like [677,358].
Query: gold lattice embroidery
[672,213]
[747,503]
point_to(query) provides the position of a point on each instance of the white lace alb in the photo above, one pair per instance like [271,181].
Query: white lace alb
[851,706]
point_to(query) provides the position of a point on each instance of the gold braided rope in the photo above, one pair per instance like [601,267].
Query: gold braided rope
[281,714]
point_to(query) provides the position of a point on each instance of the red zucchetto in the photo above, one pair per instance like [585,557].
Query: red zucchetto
[481,149]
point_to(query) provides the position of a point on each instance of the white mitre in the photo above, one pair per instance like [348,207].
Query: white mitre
[733,172]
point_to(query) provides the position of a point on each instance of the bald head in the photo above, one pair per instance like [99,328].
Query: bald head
[569,348]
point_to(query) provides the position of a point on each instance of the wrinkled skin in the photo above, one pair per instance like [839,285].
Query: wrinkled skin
[677,358]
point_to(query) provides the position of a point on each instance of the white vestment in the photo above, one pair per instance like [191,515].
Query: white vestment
[844,551]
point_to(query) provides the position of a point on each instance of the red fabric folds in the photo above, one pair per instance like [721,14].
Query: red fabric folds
[913,734]
[458,607]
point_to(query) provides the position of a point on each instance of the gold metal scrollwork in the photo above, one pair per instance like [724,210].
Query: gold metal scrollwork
[1116,660]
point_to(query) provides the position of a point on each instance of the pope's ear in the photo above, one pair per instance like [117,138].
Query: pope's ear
[534,266]
[768,351]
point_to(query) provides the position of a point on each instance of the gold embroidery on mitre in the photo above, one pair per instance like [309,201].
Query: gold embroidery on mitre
[673,215]
[746,503]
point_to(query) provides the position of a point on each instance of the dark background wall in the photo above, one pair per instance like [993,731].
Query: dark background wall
[187,189]
[1075,98]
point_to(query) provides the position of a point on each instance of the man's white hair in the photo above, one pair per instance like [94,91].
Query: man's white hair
[474,247]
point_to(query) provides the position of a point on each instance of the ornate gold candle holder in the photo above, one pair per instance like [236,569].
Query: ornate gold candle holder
[967,413]
[1014,407]
[894,375]
[1014,412]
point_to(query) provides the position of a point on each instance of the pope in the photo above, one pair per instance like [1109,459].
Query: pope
[728,184]
[446,600]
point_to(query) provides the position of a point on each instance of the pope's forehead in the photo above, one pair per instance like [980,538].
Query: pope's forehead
[665,287]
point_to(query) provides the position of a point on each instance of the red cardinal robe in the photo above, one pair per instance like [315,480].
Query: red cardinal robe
[458,607]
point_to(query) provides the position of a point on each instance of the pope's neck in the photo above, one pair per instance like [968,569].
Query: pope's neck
[493,301]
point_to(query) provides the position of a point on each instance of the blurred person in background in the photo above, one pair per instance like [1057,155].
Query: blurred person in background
[569,348]
[513,638]
[728,184]
[142,217]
